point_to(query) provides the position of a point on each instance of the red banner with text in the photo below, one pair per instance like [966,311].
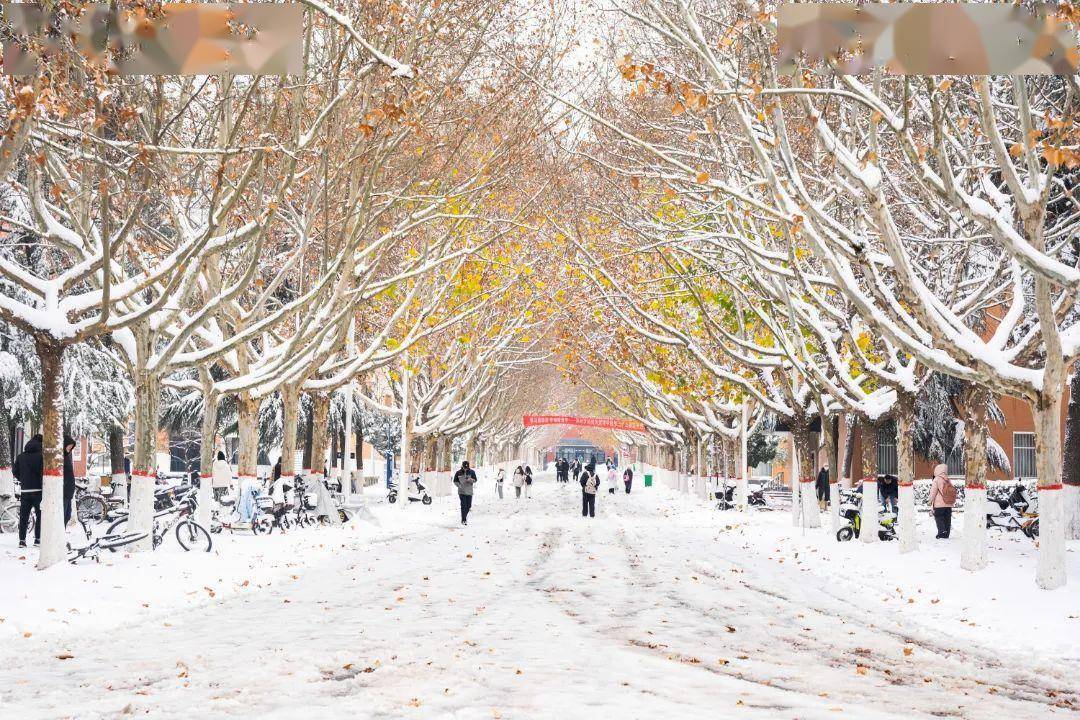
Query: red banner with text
[606,423]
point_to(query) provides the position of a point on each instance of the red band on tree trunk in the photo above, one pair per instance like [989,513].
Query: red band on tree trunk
[1049,487]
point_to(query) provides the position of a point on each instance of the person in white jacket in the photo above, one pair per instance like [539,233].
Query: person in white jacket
[519,481]
[499,479]
[222,478]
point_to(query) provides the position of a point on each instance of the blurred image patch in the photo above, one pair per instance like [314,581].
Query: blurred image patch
[931,38]
[173,39]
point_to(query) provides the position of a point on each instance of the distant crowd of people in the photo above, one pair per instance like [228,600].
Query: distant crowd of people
[585,474]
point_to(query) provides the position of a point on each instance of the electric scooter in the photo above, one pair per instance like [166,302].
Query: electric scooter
[420,494]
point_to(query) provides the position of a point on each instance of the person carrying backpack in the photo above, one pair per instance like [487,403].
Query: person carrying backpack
[590,483]
[942,499]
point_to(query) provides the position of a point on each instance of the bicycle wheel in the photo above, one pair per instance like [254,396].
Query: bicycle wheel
[193,536]
[117,528]
[112,542]
[90,508]
[9,517]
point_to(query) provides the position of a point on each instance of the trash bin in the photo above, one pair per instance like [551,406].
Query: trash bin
[648,481]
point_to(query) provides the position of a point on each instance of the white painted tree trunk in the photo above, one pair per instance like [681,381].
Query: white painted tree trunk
[796,489]
[1050,567]
[742,487]
[141,509]
[834,505]
[7,482]
[905,519]
[870,511]
[406,435]
[1070,497]
[52,549]
[905,466]
[973,553]
[119,486]
[52,519]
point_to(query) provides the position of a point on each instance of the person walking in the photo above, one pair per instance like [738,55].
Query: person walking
[821,484]
[465,478]
[942,499]
[28,469]
[221,478]
[499,479]
[590,483]
[628,478]
[519,481]
[576,469]
[611,479]
[528,482]
[69,478]
[889,489]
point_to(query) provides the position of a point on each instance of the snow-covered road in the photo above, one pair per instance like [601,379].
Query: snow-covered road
[656,608]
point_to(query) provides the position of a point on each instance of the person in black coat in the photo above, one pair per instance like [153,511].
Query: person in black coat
[889,489]
[822,486]
[69,477]
[28,469]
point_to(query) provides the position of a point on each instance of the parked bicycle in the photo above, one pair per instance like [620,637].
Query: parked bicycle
[93,548]
[189,534]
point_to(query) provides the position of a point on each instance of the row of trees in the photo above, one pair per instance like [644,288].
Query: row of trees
[215,245]
[801,243]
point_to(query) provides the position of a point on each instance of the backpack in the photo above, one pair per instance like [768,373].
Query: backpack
[948,492]
[592,483]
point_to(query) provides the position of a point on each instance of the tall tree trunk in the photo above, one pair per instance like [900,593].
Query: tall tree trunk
[320,411]
[1070,468]
[871,517]
[1050,570]
[309,430]
[144,465]
[811,513]
[830,427]
[50,355]
[973,554]
[290,402]
[905,470]
[116,461]
[247,421]
[849,445]
[207,435]
[7,482]
[742,487]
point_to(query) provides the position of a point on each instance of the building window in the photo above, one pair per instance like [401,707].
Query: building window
[1024,454]
[886,450]
[955,461]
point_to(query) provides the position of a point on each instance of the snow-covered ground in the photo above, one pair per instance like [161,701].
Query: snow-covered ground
[659,607]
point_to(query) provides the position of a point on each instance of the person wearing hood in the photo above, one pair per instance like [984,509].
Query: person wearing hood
[942,499]
[28,470]
[465,478]
[628,478]
[822,486]
[69,477]
[519,481]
